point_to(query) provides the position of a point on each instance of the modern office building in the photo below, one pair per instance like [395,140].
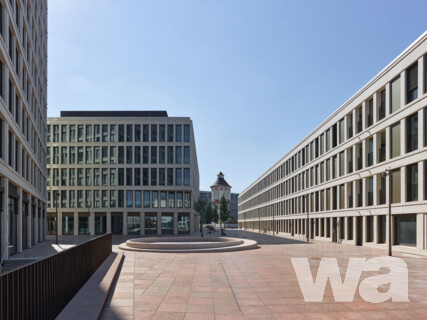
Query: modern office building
[334,182]
[23,120]
[125,172]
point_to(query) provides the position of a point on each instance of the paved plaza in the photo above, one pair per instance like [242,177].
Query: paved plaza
[254,284]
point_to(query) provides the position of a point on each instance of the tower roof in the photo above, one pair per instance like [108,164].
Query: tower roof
[220,181]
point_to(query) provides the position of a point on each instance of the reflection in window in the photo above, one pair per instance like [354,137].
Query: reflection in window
[395,95]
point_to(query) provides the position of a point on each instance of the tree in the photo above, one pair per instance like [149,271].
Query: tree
[209,213]
[215,217]
[200,208]
[224,212]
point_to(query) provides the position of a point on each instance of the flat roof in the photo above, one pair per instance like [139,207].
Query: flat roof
[115,114]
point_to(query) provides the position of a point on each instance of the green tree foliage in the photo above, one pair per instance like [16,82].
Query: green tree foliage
[224,211]
[215,217]
[209,213]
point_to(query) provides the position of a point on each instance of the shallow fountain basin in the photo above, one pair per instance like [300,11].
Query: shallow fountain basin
[188,244]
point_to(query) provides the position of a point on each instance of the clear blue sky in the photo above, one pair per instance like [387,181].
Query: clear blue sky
[246,72]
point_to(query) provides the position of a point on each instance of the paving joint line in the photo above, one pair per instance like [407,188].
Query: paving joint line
[234,295]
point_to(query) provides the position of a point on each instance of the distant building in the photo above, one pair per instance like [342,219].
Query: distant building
[219,188]
[125,172]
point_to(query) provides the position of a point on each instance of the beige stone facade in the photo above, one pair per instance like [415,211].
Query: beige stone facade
[125,172]
[23,120]
[332,183]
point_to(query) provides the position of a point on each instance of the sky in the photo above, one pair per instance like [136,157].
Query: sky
[256,77]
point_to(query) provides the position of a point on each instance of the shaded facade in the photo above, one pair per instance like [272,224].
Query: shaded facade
[331,184]
[125,172]
[23,120]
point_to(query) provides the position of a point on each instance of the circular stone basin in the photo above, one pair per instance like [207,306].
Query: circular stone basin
[188,244]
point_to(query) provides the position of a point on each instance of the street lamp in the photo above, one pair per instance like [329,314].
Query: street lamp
[308,220]
[56,223]
[387,173]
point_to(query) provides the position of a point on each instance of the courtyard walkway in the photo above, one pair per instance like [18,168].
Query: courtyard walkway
[254,284]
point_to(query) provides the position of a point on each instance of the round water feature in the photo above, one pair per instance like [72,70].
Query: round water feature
[188,244]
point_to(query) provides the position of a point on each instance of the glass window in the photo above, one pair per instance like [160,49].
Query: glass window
[80,155]
[153,176]
[138,199]
[186,176]
[370,152]
[129,133]
[170,176]
[113,198]
[112,155]
[96,177]
[359,119]
[412,83]
[155,199]
[145,133]
[341,160]
[121,176]
[412,133]
[128,176]
[186,133]
[178,134]
[186,155]
[163,203]
[146,199]
[80,199]
[370,191]
[88,155]
[395,95]
[381,105]
[381,147]
[170,133]
[359,189]
[104,155]
[412,182]
[55,155]
[88,133]
[395,186]
[162,176]
[370,108]
[72,200]
[104,198]
[137,154]
[145,155]
[137,133]
[97,133]
[179,199]
[129,198]
[382,189]
[72,177]
[128,154]
[112,177]
[72,133]
[178,155]
[121,155]
[162,133]
[88,177]
[171,200]
[162,155]
[178,178]
[113,135]
[97,151]
[145,176]
[80,177]
[121,133]
[170,155]
[153,133]
[187,200]
[63,177]
[63,133]
[359,154]
[153,154]
[137,181]
[49,129]
[105,176]
[395,140]
[47,155]
[121,199]
[80,133]
[55,133]
[328,140]
[105,133]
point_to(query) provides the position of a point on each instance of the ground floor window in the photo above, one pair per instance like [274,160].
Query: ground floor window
[117,223]
[150,224]
[100,224]
[183,223]
[134,224]
[67,224]
[167,224]
[83,225]
[406,230]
